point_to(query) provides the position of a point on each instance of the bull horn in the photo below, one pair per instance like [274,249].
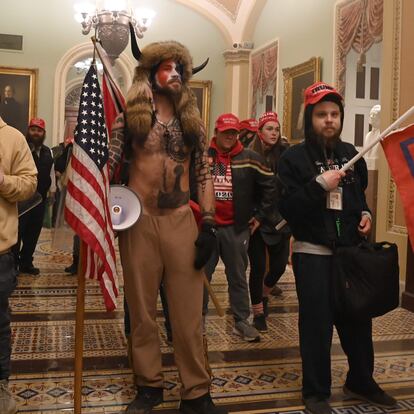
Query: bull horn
[201,67]
[134,45]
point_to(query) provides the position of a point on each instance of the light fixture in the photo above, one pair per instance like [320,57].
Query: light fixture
[82,66]
[111,22]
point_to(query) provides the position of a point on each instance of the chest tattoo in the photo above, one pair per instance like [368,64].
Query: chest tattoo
[174,146]
[176,197]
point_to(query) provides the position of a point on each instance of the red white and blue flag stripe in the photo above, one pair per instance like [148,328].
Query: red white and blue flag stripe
[86,209]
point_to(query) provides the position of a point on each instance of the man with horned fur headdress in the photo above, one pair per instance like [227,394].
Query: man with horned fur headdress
[160,136]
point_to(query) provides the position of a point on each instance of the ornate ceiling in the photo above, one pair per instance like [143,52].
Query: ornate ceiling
[235,18]
[230,7]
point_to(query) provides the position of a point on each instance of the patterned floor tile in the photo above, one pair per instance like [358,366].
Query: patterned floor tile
[241,382]
[39,339]
[255,383]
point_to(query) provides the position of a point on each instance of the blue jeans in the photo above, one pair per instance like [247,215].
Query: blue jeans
[7,284]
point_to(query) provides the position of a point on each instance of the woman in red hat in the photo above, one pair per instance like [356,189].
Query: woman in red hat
[268,241]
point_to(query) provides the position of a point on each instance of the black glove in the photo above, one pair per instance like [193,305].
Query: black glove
[205,245]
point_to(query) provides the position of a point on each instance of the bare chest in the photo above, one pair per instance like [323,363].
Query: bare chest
[160,169]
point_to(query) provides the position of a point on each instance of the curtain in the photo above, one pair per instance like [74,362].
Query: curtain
[359,27]
[264,73]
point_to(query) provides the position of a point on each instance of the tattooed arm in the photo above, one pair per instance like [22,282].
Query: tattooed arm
[116,145]
[205,190]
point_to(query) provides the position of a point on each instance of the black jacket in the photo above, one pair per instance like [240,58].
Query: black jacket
[303,200]
[44,163]
[269,234]
[253,183]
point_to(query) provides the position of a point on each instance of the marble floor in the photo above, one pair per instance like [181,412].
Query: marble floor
[262,377]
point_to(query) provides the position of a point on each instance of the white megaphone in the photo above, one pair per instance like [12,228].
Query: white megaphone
[125,207]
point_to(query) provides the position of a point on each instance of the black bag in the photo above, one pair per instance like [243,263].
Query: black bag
[365,280]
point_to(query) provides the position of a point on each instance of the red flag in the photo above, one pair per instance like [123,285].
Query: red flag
[399,150]
[114,101]
[114,104]
[86,209]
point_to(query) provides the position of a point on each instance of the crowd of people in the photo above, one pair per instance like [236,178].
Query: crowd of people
[245,181]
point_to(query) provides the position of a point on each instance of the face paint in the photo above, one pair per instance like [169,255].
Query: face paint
[168,75]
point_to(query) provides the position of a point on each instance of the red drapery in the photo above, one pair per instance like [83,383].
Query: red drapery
[359,27]
[264,73]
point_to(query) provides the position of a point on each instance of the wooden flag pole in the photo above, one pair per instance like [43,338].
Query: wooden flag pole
[213,297]
[79,331]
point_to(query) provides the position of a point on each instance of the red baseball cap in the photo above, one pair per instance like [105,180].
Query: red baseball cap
[250,124]
[268,117]
[39,122]
[227,121]
[315,92]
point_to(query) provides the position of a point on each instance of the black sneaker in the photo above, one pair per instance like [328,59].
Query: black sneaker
[147,398]
[29,270]
[259,322]
[315,405]
[201,405]
[72,269]
[380,397]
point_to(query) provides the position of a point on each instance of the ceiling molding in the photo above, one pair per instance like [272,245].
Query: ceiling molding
[236,25]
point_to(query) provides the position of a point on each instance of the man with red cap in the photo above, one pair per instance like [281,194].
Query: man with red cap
[30,224]
[324,208]
[267,242]
[241,181]
[248,130]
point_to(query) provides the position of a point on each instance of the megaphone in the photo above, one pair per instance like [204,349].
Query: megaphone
[125,207]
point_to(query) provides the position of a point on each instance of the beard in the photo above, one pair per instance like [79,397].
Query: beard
[168,90]
[35,140]
[329,143]
[327,146]
[324,145]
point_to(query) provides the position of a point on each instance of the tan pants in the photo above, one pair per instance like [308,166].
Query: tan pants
[162,248]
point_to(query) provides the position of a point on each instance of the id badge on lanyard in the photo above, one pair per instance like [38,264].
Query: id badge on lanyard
[334,199]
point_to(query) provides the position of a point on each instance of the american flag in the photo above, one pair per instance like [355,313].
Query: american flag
[86,209]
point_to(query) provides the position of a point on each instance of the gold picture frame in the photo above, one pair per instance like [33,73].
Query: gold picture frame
[202,92]
[296,79]
[18,96]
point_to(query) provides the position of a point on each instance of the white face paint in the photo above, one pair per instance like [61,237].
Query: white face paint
[168,76]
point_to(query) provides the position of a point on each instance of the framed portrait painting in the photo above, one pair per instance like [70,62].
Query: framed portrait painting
[18,89]
[202,92]
[296,79]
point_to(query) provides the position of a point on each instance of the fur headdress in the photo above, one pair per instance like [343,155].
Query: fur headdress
[140,105]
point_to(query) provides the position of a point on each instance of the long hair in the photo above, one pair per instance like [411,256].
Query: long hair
[273,154]
[140,112]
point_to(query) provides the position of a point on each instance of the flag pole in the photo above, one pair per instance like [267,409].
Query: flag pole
[387,131]
[79,332]
[213,297]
